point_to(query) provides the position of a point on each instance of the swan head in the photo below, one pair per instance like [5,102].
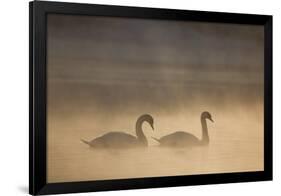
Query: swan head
[207,115]
[148,118]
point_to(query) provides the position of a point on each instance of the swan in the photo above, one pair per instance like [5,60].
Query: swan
[184,139]
[123,140]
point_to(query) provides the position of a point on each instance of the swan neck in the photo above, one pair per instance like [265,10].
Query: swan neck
[140,135]
[205,135]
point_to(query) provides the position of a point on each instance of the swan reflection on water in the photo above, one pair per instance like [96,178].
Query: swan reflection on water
[179,139]
[123,140]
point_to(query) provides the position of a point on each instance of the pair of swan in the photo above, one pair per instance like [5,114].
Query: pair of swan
[177,139]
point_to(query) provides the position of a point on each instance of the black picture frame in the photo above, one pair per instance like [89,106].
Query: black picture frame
[38,11]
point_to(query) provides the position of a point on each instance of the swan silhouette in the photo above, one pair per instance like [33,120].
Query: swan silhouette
[184,139]
[123,140]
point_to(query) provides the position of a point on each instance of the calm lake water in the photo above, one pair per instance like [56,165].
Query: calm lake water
[236,144]
[102,79]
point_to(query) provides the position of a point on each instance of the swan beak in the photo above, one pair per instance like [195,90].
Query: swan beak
[211,120]
[152,127]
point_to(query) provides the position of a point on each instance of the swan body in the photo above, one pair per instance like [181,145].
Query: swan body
[184,139]
[114,140]
[178,139]
[123,140]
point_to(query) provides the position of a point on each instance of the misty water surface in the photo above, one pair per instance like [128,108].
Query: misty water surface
[103,73]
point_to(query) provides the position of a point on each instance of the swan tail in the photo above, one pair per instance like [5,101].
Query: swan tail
[86,142]
[156,139]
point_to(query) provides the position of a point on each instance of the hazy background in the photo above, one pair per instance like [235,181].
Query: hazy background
[103,73]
